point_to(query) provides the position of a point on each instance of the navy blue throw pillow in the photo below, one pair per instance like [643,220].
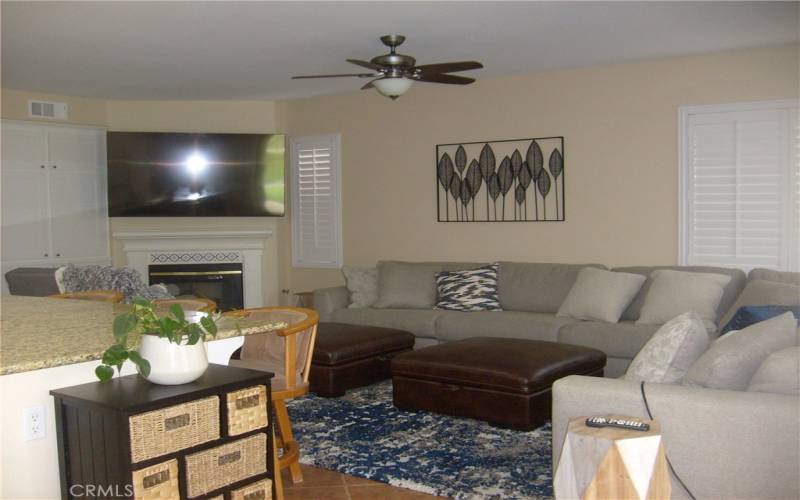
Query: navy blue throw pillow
[749,315]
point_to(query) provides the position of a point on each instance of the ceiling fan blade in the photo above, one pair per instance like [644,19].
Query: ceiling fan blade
[364,64]
[442,78]
[360,75]
[450,67]
[369,84]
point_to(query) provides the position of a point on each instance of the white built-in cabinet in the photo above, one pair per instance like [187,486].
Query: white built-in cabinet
[53,195]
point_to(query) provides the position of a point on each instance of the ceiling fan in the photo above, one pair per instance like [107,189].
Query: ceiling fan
[395,73]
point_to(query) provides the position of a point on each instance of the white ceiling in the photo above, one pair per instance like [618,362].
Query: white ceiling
[249,50]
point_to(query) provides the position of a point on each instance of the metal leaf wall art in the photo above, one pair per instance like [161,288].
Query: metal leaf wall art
[501,181]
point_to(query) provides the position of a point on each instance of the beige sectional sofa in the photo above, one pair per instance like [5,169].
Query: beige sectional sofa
[723,443]
[530,294]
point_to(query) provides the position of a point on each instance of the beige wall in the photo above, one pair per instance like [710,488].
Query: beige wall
[14,106]
[620,129]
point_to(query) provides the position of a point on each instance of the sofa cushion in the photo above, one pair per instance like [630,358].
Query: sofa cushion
[676,292]
[453,325]
[468,290]
[779,373]
[669,353]
[600,295]
[409,285]
[619,340]
[536,287]
[420,322]
[775,276]
[362,283]
[732,289]
[33,281]
[761,292]
[734,358]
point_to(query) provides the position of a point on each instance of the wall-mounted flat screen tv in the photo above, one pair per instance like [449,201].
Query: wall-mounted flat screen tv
[195,175]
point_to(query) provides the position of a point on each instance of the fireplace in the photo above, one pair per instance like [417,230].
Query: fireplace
[206,251]
[221,283]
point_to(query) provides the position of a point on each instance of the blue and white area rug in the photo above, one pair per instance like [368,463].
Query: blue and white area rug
[364,435]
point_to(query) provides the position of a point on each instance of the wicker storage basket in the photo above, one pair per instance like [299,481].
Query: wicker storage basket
[261,490]
[157,482]
[174,428]
[214,468]
[247,410]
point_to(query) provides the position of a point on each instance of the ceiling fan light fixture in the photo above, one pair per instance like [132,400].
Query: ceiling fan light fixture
[393,86]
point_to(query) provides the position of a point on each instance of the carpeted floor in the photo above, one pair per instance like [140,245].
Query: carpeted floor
[363,434]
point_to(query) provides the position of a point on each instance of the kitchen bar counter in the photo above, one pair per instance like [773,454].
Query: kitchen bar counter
[40,332]
[50,343]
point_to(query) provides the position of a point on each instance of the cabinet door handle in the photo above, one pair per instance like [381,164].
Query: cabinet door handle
[46,255]
[55,166]
[41,166]
[58,255]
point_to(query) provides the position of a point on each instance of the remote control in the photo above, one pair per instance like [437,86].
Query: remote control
[633,425]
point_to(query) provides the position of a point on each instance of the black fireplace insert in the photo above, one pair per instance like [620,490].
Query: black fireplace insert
[221,283]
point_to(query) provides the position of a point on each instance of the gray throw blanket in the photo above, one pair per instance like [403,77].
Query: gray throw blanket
[122,279]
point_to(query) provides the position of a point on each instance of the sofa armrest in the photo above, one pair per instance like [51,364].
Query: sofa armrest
[327,300]
[723,444]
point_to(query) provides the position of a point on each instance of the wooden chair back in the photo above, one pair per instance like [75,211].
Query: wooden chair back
[193,304]
[288,350]
[96,295]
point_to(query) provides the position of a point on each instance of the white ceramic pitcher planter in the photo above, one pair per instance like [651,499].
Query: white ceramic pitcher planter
[171,363]
[165,355]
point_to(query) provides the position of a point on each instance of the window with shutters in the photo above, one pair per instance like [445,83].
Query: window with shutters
[740,185]
[316,201]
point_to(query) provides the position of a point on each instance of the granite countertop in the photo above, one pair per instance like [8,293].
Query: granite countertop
[40,332]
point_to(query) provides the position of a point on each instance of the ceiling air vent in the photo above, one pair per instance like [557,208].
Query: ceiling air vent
[47,109]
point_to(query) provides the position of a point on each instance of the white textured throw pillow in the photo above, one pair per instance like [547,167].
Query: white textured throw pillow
[362,283]
[675,292]
[601,295]
[734,358]
[669,353]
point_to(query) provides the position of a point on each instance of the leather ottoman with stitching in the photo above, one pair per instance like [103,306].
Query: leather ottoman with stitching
[349,356]
[504,381]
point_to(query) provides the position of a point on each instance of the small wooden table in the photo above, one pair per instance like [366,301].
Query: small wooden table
[608,462]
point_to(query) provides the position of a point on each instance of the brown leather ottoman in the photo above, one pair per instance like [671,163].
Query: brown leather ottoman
[501,380]
[348,356]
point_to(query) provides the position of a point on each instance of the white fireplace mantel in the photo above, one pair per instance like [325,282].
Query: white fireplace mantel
[143,248]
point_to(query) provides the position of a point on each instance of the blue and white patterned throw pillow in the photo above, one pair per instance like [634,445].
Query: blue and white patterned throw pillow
[470,290]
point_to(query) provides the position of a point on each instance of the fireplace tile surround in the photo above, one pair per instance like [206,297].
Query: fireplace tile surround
[246,247]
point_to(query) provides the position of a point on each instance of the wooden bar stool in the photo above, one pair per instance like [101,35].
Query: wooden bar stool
[96,295]
[193,304]
[287,354]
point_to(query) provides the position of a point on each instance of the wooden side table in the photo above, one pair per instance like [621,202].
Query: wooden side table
[608,462]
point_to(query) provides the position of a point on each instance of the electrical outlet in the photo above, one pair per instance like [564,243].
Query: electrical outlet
[34,425]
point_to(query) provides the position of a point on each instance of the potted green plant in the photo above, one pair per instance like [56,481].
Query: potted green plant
[171,347]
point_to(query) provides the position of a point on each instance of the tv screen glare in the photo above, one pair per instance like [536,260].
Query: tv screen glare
[153,174]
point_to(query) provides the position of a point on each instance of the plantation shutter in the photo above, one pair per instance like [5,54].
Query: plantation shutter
[741,186]
[316,202]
